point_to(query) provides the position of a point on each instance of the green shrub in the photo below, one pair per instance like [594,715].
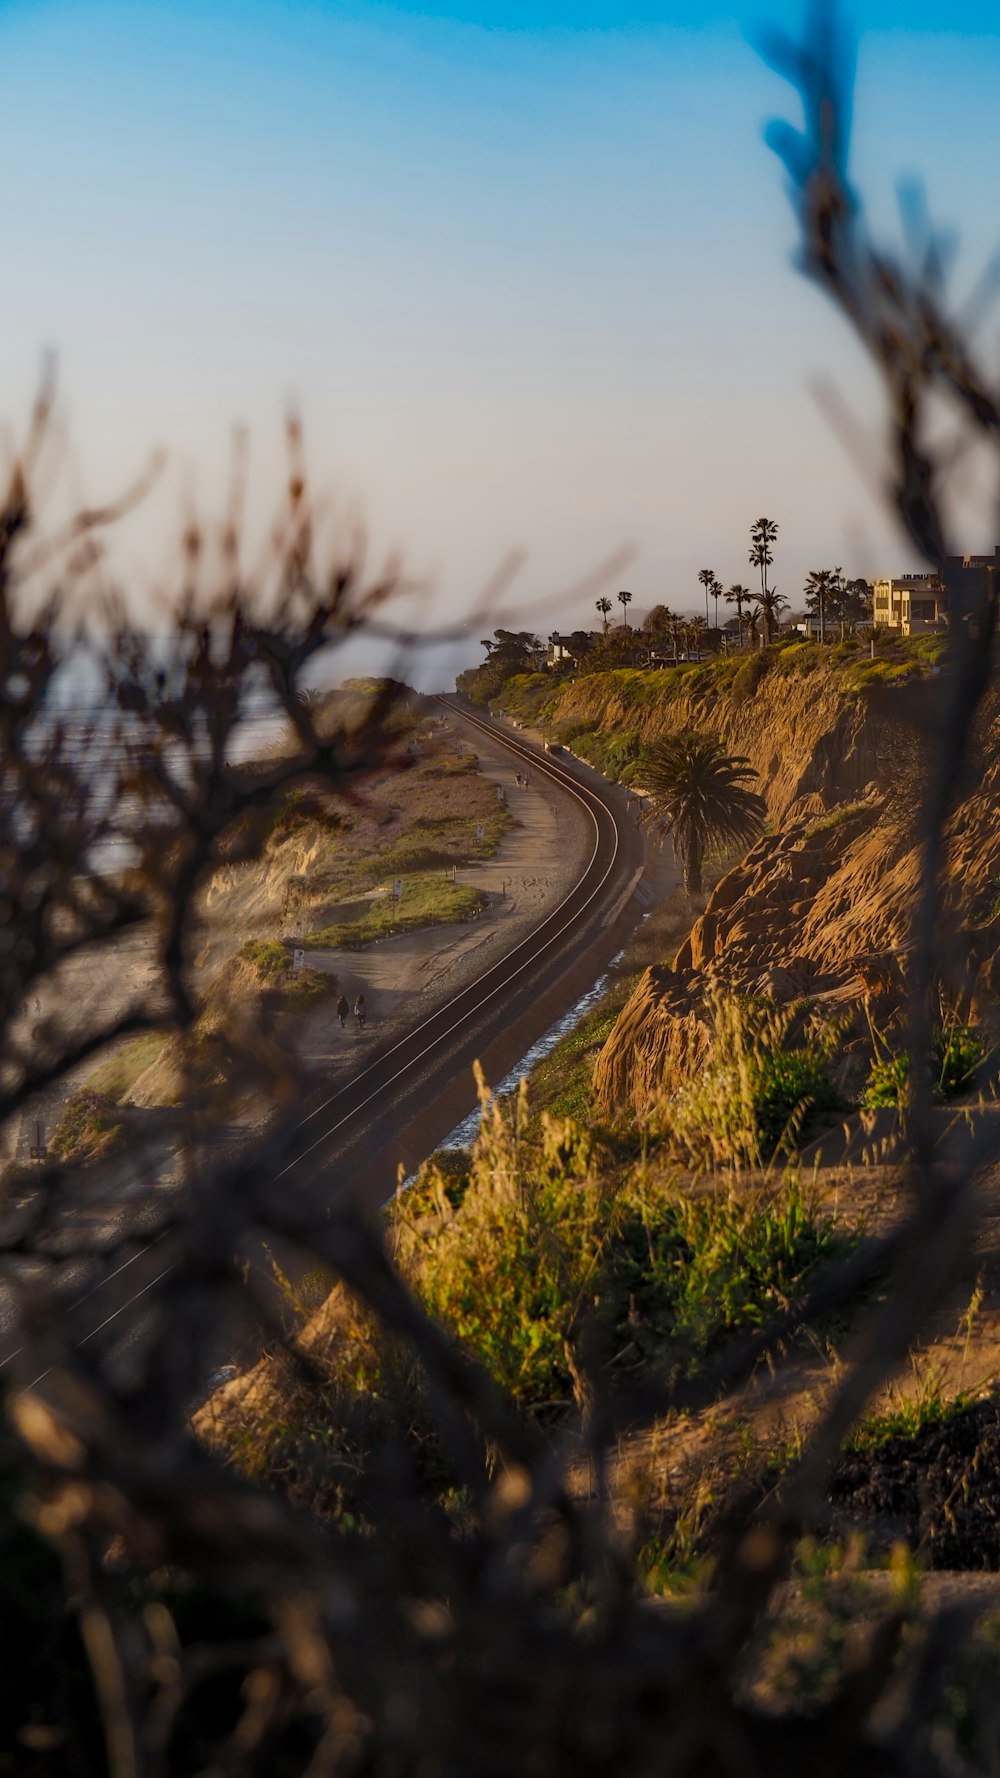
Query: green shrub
[888,1079]
[958,1049]
[685,1272]
[270,957]
[800,657]
[749,677]
[932,648]
[89,1122]
[784,1085]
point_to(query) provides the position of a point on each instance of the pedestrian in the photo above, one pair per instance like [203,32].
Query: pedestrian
[38,1007]
[342,1010]
[360,1011]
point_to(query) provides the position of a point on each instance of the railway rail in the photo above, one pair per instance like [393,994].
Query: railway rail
[356,1136]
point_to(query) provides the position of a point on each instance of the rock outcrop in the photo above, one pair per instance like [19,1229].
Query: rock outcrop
[819,912]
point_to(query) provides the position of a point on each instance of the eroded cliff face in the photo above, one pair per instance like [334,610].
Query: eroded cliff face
[820,911]
[810,743]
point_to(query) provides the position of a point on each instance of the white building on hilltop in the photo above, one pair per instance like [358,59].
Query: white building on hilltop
[911,604]
[916,603]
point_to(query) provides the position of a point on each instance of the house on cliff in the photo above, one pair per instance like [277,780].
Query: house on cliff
[915,604]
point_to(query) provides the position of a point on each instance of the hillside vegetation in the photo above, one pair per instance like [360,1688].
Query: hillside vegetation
[644,1199]
[814,722]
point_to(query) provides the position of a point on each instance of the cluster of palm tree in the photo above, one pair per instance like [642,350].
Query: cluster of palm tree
[605,608]
[758,609]
[830,596]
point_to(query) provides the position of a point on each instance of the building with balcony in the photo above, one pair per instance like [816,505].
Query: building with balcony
[916,603]
[911,603]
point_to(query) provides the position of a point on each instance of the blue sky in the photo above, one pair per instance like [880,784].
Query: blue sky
[524,268]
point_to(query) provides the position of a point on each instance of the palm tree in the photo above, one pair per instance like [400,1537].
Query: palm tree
[604,607]
[698,794]
[738,596]
[769,603]
[837,600]
[817,589]
[707,578]
[856,603]
[625,600]
[697,634]
[715,589]
[762,536]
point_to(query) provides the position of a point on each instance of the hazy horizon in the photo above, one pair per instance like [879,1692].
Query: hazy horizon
[526,273]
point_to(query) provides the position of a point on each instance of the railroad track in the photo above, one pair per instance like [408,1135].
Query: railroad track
[360,1133]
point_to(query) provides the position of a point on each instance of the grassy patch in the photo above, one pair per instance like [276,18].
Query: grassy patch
[907,1418]
[562,1081]
[544,1268]
[272,960]
[425,901]
[116,1077]
[867,675]
[270,957]
[836,817]
[751,674]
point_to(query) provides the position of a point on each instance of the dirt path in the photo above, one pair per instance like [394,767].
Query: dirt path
[403,978]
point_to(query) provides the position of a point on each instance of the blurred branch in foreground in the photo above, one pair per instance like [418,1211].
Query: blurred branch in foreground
[431,1591]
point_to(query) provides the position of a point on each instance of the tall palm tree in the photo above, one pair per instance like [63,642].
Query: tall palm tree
[716,590]
[625,600]
[604,607]
[763,534]
[698,794]
[707,578]
[739,596]
[837,601]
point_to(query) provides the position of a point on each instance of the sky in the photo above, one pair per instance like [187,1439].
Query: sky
[525,270]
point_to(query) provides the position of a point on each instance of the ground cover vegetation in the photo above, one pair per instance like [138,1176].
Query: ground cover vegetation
[334,857]
[418,1536]
[425,901]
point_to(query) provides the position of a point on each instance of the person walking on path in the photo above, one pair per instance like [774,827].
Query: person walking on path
[360,1011]
[342,1010]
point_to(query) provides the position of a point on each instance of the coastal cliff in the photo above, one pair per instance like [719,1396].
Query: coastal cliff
[819,910]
